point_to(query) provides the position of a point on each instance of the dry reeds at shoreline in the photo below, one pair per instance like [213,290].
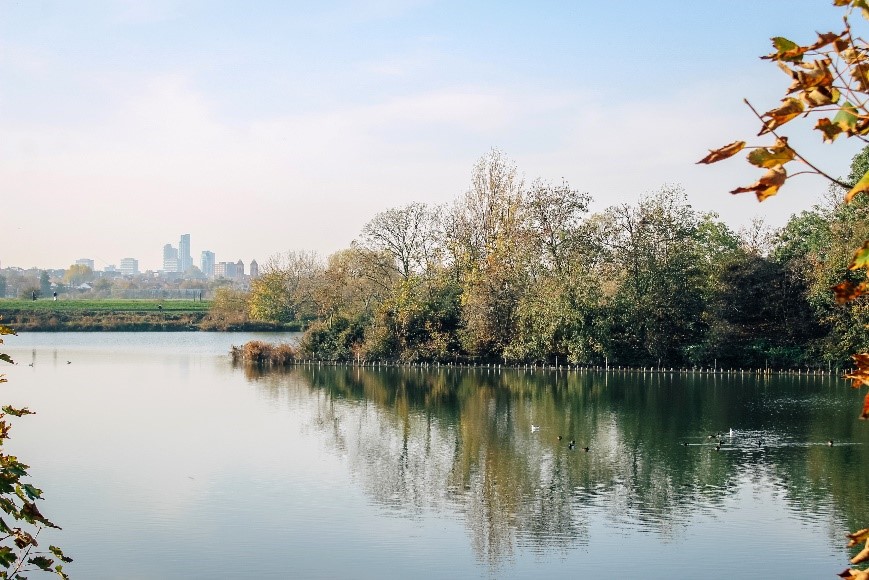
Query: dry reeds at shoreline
[263,353]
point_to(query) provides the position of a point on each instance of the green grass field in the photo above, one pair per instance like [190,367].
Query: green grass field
[105,305]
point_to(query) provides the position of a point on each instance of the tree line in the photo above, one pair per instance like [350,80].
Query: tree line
[521,272]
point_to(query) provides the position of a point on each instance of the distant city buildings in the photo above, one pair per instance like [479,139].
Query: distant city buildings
[129,266]
[170,259]
[254,269]
[185,261]
[207,264]
[85,262]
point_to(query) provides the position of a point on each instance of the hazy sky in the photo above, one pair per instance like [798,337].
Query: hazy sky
[261,127]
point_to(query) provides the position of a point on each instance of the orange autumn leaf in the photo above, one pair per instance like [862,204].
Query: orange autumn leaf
[767,185]
[862,555]
[860,376]
[865,414]
[829,129]
[808,75]
[857,537]
[723,153]
[854,574]
[847,291]
[777,117]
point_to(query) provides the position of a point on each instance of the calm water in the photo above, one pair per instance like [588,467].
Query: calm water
[162,460]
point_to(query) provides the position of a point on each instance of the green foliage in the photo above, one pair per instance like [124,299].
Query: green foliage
[17,499]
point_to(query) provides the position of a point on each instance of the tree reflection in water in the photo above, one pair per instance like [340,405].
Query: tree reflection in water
[432,440]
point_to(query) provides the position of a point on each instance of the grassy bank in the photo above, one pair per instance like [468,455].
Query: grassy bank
[116,315]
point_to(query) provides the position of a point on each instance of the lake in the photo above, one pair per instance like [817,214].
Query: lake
[161,459]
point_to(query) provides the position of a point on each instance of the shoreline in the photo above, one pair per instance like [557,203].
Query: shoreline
[126,316]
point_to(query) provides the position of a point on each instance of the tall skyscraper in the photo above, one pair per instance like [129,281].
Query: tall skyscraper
[184,258]
[208,264]
[85,262]
[254,269]
[170,259]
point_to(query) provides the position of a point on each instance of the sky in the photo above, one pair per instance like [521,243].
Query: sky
[269,126]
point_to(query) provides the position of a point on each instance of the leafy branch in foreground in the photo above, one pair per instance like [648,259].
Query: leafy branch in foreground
[18,546]
[830,82]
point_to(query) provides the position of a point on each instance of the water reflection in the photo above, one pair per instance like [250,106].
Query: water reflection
[660,448]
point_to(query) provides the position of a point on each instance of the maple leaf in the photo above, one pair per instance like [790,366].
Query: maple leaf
[861,4]
[809,74]
[829,129]
[859,187]
[790,51]
[777,117]
[820,96]
[768,157]
[861,256]
[847,291]
[860,376]
[786,50]
[767,185]
[854,574]
[723,153]
[862,555]
[857,537]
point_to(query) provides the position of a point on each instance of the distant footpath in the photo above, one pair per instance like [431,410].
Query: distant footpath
[120,315]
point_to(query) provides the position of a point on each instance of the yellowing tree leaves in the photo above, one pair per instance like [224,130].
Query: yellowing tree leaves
[723,153]
[854,574]
[767,185]
[859,187]
[790,51]
[808,75]
[857,537]
[860,375]
[820,96]
[768,157]
[861,256]
[862,555]
[775,118]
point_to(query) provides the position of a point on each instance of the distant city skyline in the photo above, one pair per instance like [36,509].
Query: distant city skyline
[288,127]
[171,262]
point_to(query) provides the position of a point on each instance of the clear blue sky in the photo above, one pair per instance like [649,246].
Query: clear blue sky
[261,127]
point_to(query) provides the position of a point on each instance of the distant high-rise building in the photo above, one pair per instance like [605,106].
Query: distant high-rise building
[170,259]
[208,264]
[129,266]
[254,269]
[227,270]
[184,257]
[239,269]
[85,262]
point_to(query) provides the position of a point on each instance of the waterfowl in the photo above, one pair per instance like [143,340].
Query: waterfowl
[535,428]
[559,437]
[571,445]
[585,449]
[830,442]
